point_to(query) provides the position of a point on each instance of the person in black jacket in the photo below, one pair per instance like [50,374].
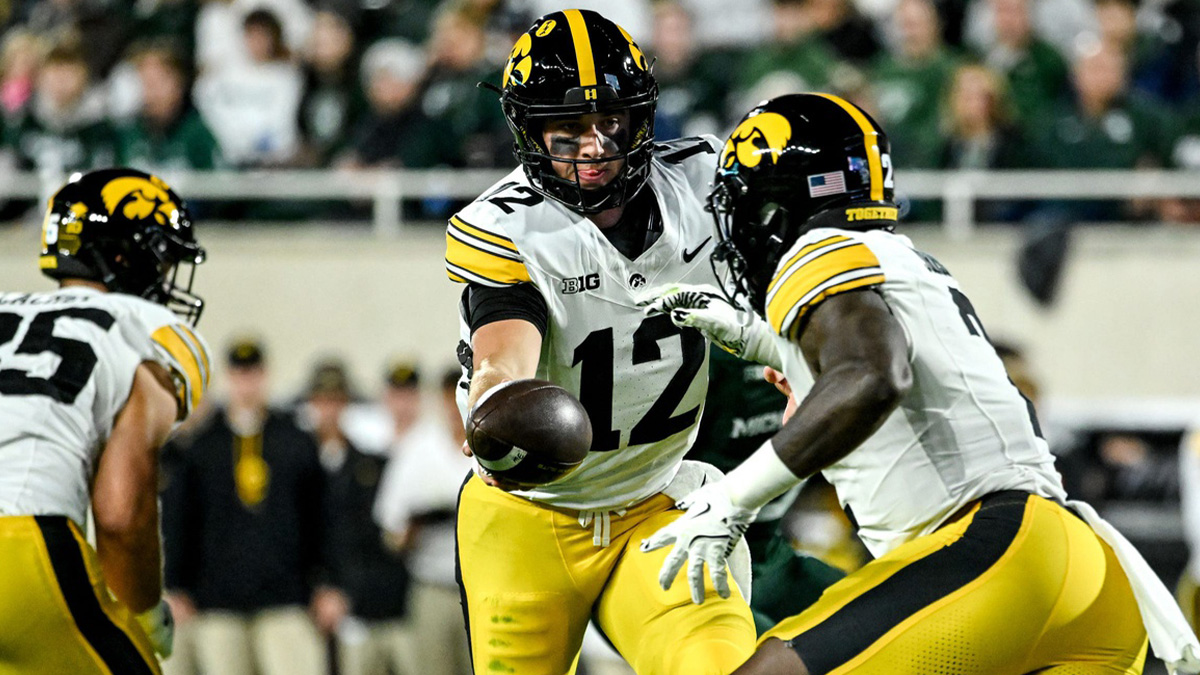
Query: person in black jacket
[368,612]
[243,522]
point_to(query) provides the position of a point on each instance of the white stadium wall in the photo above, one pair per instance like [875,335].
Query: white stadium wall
[1126,324]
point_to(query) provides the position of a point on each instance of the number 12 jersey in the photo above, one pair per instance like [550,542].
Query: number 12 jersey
[642,379]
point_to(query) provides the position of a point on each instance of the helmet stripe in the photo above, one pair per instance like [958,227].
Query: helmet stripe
[583,47]
[874,162]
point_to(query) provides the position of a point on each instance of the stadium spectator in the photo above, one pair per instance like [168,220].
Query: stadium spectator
[795,59]
[367,612]
[1036,72]
[168,20]
[395,131]
[979,133]
[1105,127]
[102,25]
[252,108]
[416,507]
[693,84]
[402,397]
[1146,52]
[910,80]
[457,62]
[20,58]
[220,43]
[243,527]
[1057,22]
[168,135]
[839,23]
[332,102]
[64,129]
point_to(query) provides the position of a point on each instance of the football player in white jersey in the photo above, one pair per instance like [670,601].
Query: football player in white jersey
[93,377]
[982,565]
[555,258]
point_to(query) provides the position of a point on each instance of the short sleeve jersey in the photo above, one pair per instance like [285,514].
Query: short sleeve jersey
[67,362]
[961,432]
[642,379]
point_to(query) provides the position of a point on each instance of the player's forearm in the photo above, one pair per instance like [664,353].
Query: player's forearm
[131,558]
[504,350]
[844,408]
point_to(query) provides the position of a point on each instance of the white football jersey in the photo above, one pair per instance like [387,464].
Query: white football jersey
[67,361]
[963,430]
[642,379]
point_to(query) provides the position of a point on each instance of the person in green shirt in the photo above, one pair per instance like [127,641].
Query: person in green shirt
[693,83]
[1105,127]
[168,134]
[742,411]
[795,52]
[909,83]
[1036,72]
[64,130]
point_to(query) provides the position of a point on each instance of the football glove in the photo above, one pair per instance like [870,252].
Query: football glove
[159,626]
[739,332]
[705,535]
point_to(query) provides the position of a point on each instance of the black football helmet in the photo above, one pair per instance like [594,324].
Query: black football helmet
[127,230]
[795,163]
[575,62]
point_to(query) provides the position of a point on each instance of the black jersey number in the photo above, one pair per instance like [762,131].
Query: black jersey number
[975,327]
[531,197]
[595,357]
[78,358]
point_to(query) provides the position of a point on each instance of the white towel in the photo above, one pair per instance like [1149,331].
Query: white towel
[1171,637]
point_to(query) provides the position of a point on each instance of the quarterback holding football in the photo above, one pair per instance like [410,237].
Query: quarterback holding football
[555,258]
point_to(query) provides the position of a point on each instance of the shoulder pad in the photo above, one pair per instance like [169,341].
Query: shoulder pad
[479,250]
[821,264]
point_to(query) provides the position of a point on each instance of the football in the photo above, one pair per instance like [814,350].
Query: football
[529,432]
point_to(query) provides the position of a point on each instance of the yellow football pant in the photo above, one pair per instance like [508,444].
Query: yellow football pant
[532,576]
[56,613]
[1017,585]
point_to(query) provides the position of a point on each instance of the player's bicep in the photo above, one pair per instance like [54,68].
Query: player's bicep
[128,466]
[859,331]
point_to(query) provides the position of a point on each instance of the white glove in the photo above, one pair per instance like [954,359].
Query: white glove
[739,332]
[159,626]
[706,534]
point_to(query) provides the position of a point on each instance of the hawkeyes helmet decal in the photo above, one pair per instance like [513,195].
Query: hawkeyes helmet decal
[795,163]
[758,136]
[571,63]
[127,230]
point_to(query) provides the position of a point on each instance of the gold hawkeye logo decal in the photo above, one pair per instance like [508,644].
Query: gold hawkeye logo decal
[139,198]
[764,134]
[520,63]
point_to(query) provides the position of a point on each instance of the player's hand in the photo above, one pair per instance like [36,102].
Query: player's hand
[705,535]
[778,379]
[486,476]
[739,332]
[159,626]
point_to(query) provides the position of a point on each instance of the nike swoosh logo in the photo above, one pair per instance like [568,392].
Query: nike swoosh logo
[689,256]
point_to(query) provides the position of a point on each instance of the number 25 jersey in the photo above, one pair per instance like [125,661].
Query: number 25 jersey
[962,431]
[67,362]
[642,379]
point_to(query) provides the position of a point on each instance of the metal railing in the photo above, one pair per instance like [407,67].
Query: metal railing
[387,189]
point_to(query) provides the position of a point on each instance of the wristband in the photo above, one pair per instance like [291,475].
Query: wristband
[759,479]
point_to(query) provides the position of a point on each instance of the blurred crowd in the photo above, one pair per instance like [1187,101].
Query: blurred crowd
[317,536]
[169,85]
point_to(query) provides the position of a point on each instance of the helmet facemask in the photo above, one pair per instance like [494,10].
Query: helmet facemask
[633,148]
[751,232]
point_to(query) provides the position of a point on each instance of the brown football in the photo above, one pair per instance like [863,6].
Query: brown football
[529,432]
